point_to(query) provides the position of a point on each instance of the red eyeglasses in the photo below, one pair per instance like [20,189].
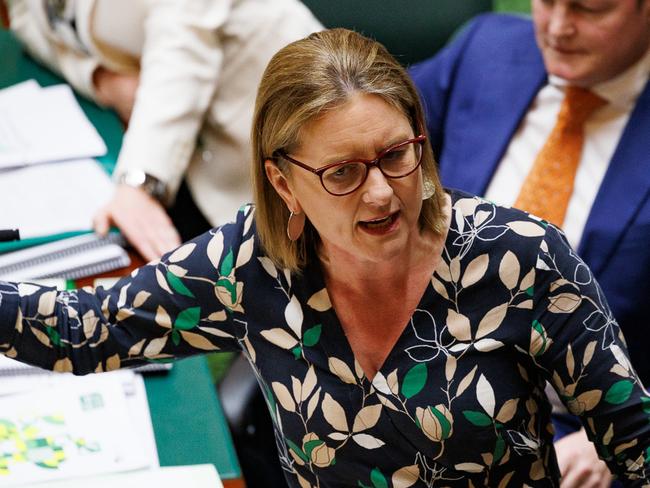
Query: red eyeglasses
[345,177]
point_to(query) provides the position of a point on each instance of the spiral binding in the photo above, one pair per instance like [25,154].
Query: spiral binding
[47,253]
[93,269]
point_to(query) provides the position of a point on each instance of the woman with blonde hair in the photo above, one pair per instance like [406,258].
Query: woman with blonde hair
[401,333]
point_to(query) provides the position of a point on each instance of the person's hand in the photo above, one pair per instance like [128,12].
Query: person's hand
[579,464]
[142,220]
[116,90]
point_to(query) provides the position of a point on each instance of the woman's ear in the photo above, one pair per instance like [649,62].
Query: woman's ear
[281,185]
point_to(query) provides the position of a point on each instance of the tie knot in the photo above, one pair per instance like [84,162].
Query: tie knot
[578,105]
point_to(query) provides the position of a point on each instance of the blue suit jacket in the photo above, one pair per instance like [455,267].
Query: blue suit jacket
[475,93]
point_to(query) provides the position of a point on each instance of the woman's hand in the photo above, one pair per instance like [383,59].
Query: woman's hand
[116,90]
[579,464]
[142,220]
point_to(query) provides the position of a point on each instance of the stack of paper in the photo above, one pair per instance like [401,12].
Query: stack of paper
[47,125]
[49,186]
[197,476]
[48,199]
[39,125]
[60,427]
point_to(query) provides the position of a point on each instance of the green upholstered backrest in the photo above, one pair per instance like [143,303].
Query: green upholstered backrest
[522,6]
[412,30]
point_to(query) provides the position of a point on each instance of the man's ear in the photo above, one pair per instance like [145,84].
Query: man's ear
[281,185]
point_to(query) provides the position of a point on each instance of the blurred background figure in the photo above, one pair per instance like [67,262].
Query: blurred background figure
[507,93]
[182,74]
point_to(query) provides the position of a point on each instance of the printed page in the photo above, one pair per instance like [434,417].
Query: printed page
[133,388]
[53,198]
[68,429]
[44,124]
[197,476]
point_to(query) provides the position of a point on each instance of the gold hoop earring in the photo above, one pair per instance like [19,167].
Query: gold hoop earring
[295,225]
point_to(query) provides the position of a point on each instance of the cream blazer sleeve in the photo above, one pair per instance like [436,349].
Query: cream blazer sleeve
[30,26]
[180,66]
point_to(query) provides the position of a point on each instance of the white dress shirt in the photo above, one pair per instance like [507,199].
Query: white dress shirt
[602,133]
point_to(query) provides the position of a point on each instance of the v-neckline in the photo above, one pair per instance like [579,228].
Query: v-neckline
[339,336]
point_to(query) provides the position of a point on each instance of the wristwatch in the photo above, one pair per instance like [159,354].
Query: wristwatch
[151,185]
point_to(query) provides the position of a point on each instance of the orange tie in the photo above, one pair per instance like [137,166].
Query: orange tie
[548,187]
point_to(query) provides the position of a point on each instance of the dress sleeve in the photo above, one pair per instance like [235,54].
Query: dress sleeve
[580,347]
[178,306]
[179,74]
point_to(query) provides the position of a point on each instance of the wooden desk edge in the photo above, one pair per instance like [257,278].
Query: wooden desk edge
[234,483]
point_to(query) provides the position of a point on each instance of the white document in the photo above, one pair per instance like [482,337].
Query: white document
[69,427]
[132,386]
[44,124]
[197,476]
[48,199]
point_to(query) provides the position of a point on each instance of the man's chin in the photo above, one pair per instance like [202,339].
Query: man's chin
[572,74]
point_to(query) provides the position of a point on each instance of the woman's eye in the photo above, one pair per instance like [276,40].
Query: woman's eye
[343,171]
[394,155]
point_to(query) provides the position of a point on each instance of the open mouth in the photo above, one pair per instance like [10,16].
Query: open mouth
[382,223]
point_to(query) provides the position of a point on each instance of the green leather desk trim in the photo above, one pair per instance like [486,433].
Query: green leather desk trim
[187,417]
[184,401]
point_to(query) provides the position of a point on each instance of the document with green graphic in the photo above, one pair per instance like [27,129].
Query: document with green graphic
[67,430]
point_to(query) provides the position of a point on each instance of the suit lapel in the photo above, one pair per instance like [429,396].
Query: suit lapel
[500,100]
[624,189]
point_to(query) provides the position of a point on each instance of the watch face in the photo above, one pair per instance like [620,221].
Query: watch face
[147,183]
[134,178]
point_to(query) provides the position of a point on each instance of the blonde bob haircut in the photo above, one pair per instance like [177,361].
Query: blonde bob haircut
[301,82]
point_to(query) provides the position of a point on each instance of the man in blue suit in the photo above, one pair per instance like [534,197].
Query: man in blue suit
[492,97]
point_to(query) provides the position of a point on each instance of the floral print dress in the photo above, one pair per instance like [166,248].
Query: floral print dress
[460,398]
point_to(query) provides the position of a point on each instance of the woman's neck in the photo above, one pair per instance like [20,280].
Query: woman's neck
[346,271]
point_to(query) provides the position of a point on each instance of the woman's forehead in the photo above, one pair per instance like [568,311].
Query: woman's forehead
[364,119]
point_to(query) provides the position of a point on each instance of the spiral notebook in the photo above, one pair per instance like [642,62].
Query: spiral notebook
[70,259]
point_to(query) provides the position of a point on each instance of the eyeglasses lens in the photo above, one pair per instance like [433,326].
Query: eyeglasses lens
[394,163]
[344,178]
[401,160]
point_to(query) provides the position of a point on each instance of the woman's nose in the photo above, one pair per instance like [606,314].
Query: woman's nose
[376,189]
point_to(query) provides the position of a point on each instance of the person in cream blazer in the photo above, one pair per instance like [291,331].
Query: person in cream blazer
[183,74]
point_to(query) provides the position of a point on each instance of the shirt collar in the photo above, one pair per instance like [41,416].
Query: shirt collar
[622,90]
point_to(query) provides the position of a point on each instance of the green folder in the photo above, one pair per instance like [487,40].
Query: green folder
[35,241]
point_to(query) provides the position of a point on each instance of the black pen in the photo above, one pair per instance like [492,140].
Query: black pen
[9,235]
